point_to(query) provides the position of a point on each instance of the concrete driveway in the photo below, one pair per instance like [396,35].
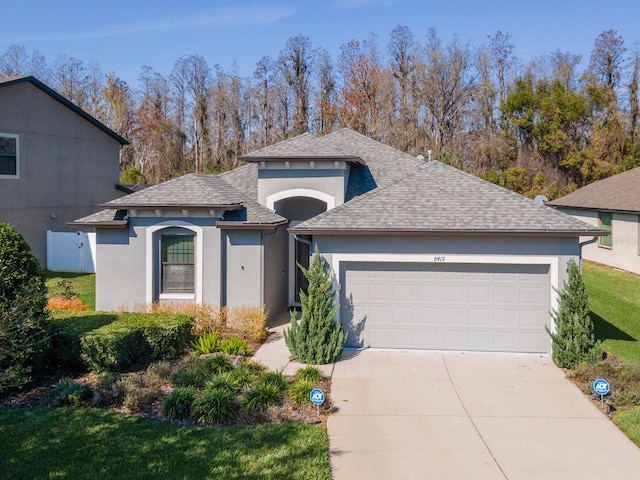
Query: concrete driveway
[420,415]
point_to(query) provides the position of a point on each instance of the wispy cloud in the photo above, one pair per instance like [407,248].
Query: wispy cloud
[235,16]
[348,4]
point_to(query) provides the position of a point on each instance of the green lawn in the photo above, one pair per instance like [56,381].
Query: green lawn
[614,298]
[83,283]
[101,444]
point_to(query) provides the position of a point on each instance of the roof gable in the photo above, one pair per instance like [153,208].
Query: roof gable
[619,192]
[8,81]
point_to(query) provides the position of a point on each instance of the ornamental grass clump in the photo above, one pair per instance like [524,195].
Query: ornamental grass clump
[316,338]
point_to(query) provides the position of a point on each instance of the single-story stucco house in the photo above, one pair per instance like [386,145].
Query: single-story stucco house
[425,256]
[612,204]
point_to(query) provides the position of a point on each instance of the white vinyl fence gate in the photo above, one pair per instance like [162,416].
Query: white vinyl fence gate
[71,252]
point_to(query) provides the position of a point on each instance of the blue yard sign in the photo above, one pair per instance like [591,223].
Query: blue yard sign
[601,386]
[317,396]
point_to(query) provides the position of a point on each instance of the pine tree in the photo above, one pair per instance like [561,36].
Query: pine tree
[574,340]
[316,338]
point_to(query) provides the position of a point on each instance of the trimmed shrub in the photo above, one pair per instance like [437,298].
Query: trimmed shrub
[23,339]
[104,342]
[66,329]
[177,404]
[299,391]
[316,338]
[262,395]
[235,346]
[574,340]
[214,406]
[309,373]
[206,343]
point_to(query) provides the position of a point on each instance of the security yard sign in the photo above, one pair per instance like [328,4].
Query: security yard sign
[602,388]
[317,396]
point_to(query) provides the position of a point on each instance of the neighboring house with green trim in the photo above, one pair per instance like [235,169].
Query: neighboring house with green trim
[612,204]
[425,256]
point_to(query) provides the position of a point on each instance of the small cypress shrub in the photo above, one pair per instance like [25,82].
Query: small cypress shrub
[316,338]
[574,340]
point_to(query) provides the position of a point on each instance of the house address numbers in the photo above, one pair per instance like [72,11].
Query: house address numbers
[440,258]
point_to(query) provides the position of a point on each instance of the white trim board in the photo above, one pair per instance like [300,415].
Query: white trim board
[301,192]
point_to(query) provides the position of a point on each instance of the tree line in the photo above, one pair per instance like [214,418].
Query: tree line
[544,126]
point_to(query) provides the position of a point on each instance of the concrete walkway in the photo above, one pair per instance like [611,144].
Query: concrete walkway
[274,353]
[420,415]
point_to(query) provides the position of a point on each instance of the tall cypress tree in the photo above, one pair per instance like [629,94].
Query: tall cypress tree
[574,340]
[316,338]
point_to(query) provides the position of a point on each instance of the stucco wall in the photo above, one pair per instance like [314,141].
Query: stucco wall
[67,166]
[624,250]
[328,181]
[122,262]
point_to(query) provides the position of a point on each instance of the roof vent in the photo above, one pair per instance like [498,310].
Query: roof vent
[541,199]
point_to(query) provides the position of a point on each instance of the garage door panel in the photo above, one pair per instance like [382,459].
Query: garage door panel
[506,294]
[480,339]
[453,293]
[480,293]
[532,295]
[429,293]
[403,292]
[380,291]
[480,317]
[447,306]
[429,316]
[404,337]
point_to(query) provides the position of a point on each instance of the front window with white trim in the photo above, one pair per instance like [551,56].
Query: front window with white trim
[8,155]
[178,263]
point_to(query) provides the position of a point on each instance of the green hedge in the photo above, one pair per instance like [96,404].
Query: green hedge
[112,341]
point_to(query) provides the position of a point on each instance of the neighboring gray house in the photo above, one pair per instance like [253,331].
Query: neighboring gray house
[612,204]
[57,162]
[425,256]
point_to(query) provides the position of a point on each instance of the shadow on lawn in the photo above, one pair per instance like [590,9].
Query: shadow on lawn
[607,331]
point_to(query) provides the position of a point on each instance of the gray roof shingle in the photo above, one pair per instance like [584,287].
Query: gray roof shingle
[108,217]
[439,198]
[620,193]
[192,190]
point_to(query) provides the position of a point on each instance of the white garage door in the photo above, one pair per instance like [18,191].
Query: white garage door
[481,307]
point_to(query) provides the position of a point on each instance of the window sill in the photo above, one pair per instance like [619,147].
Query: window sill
[177,296]
[606,247]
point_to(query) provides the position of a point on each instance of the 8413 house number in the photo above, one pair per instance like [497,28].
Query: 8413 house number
[439,259]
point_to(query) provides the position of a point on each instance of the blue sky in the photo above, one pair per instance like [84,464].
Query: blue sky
[123,35]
